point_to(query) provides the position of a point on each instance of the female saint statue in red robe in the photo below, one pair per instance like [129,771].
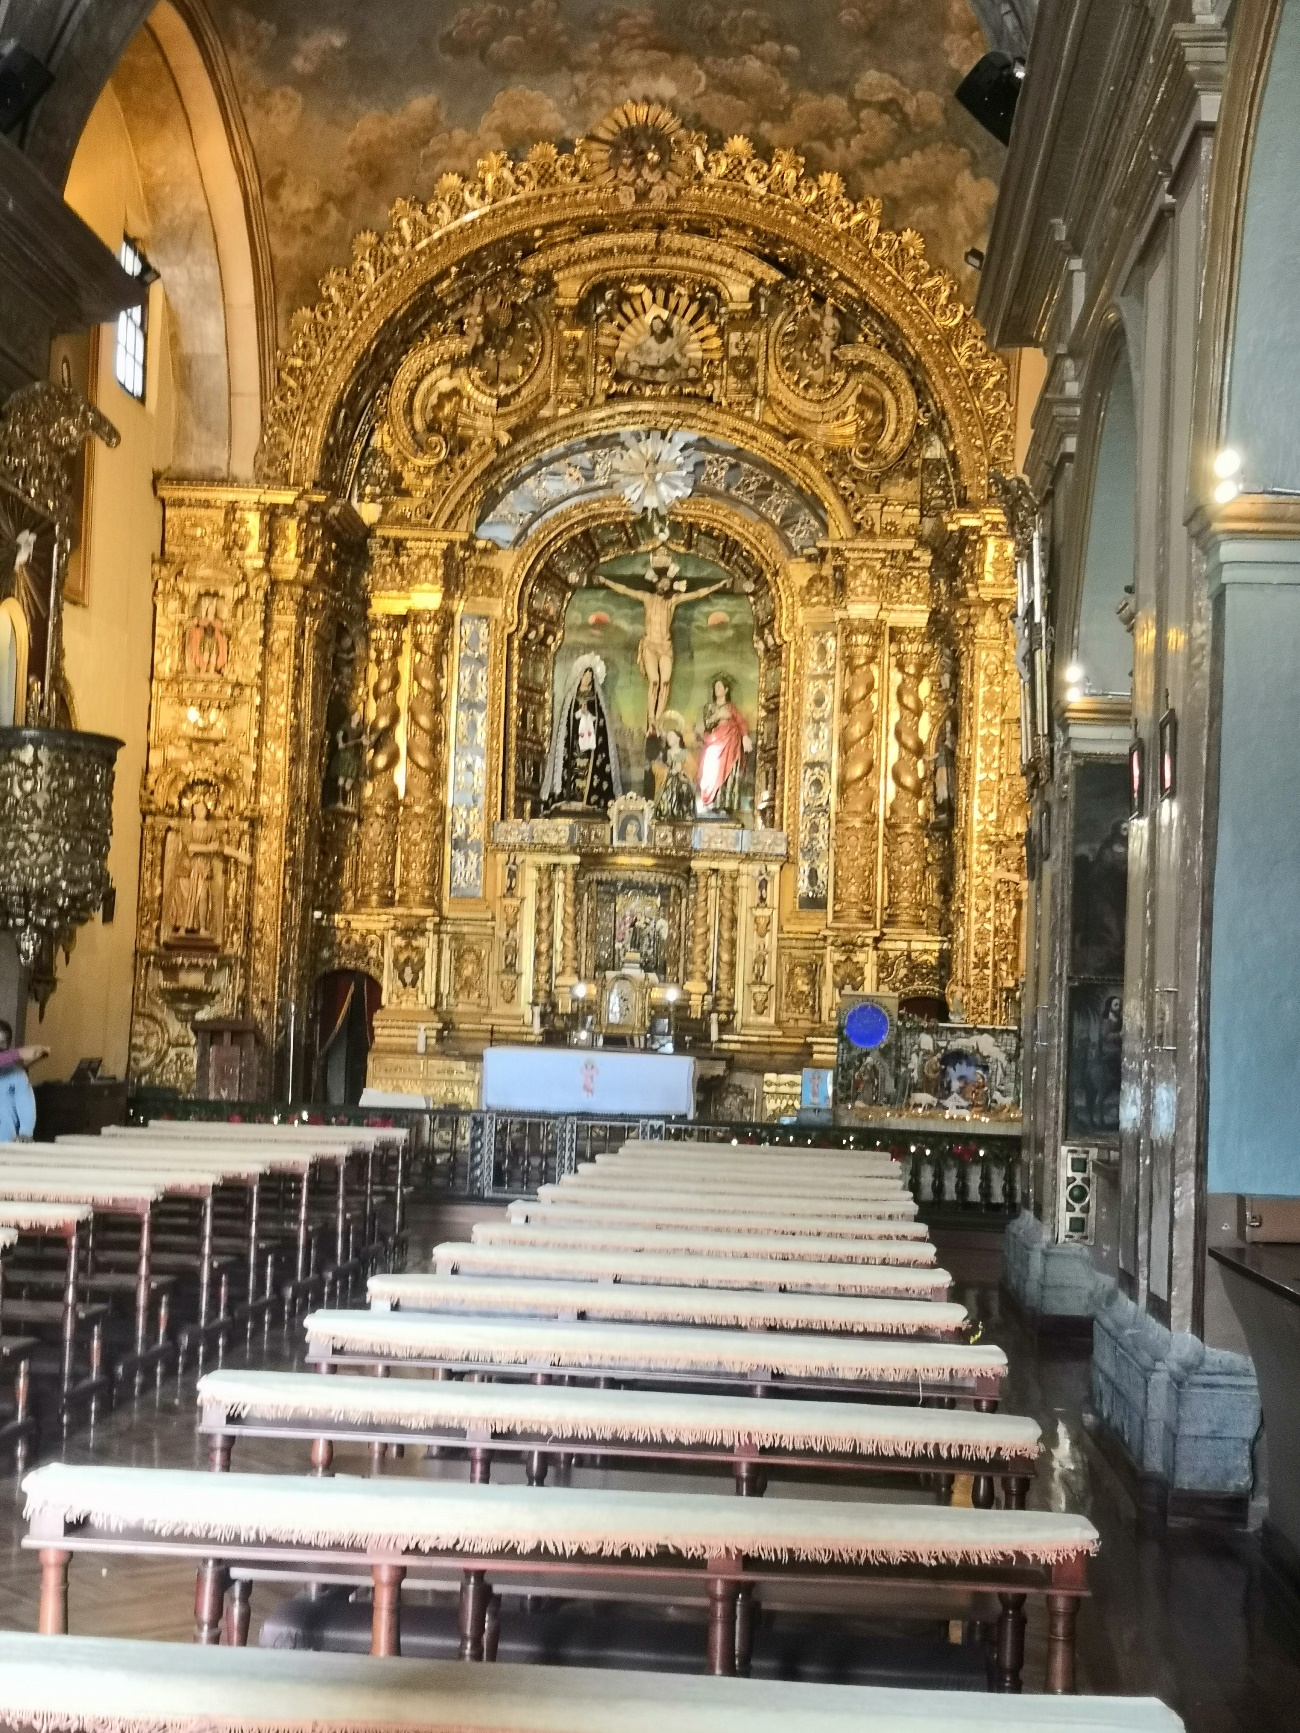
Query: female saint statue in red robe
[725,745]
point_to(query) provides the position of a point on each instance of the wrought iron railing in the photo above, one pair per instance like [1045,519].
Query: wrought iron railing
[474,1154]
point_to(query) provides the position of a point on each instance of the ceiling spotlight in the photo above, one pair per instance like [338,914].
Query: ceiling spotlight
[975,258]
[1227,463]
[990,90]
[1226,491]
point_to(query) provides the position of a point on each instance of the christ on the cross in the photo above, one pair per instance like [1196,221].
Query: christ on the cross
[654,655]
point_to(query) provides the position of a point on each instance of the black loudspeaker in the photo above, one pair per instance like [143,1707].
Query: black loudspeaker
[990,91]
[23,82]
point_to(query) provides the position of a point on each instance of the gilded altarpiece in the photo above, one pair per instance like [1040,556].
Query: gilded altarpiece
[624,606]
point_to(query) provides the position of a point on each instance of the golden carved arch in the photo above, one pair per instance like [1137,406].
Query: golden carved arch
[640,174]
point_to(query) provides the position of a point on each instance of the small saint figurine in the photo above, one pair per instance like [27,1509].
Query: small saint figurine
[727,744]
[195,902]
[582,767]
[676,799]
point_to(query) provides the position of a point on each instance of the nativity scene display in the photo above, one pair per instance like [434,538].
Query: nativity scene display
[655,691]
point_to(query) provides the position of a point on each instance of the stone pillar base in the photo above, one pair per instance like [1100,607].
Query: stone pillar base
[1177,1420]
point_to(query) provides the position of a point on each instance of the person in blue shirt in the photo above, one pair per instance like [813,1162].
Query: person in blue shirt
[17,1102]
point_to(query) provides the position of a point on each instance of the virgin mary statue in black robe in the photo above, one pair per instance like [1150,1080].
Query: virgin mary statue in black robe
[582,766]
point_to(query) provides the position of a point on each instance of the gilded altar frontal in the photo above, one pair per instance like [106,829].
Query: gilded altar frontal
[623,605]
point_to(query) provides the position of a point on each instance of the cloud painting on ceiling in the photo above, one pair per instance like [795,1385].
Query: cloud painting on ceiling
[350,107]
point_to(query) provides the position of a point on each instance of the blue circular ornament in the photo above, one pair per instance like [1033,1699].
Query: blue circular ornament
[867,1026]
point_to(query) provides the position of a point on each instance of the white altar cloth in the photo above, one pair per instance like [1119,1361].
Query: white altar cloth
[587,1080]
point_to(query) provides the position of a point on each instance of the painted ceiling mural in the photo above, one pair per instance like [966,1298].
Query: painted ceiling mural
[350,107]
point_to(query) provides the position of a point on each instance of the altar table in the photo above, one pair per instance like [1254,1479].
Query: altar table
[587,1080]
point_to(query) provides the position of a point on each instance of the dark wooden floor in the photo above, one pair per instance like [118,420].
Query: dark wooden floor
[1185,1615]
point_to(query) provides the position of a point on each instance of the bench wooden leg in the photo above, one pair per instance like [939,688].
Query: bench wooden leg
[480,1467]
[322,1457]
[536,1464]
[1015,1491]
[750,1481]
[239,1612]
[982,1492]
[386,1619]
[722,1627]
[219,1452]
[1010,1645]
[744,1628]
[474,1595]
[1062,1613]
[492,1628]
[52,1619]
[209,1601]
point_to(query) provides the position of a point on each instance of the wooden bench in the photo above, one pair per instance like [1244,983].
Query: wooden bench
[619,1302]
[668,1215]
[685,1182]
[691,1356]
[591,1237]
[890,1205]
[119,1685]
[388,1531]
[683,1270]
[635,1155]
[732,1433]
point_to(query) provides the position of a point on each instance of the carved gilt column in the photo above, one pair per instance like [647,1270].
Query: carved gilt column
[697,981]
[855,811]
[905,842]
[423,805]
[726,992]
[379,802]
[989,814]
[568,874]
[543,933]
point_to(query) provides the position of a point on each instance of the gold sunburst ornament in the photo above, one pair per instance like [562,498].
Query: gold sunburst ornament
[636,150]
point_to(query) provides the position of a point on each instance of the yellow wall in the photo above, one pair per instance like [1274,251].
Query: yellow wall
[108,641]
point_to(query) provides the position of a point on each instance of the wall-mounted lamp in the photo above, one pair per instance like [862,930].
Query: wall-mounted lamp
[1136,777]
[1074,679]
[1168,752]
[1227,468]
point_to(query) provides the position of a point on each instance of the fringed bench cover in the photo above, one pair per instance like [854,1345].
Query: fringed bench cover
[706,1220]
[416,1517]
[537,1344]
[633,1416]
[100,1190]
[616,1302]
[8,1237]
[245,1159]
[826,1249]
[748,1158]
[328,1137]
[42,1218]
[691,1272]
[114,1685]
[896,1205]
[691,1184]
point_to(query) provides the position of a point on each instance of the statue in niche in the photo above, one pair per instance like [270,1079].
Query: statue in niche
[727,744]
[675,803]
[654,654]
[582,767]
[346,767]
[194,906]
[207,644]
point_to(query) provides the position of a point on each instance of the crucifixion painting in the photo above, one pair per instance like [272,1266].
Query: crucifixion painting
[654,657]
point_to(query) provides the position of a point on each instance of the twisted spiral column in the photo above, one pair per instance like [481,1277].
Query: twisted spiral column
[379,803]
[905,843]
[422,804]
[855,816]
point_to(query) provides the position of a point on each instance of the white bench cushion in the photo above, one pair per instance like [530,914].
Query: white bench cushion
[684,1270]
[896,1204]
[553,1521]
[690,1181]
[114,1685]
[705,1220]
[628,1348]
[734,1308]
[638,1416]
[827,1248]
